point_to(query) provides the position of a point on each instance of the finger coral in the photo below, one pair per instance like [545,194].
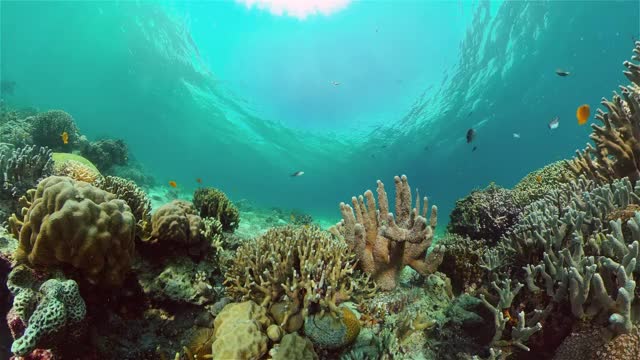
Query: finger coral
[617,142]
[213,203]
[67,222]
[384,245]
[300,267]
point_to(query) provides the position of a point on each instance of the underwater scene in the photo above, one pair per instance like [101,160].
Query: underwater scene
[320,179]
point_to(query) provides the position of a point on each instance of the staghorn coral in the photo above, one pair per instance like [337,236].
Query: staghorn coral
[214,203]
[384,245]
[134,196]
[301,269]
[537,183]
[617,143]
[46,129]
[66,222]
[106,153]
[22,169]
[485,214]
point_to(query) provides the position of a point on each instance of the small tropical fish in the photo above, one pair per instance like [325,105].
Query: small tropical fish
[199,181]
[470,135]
[562,73]
[582,114]
[474,149]
[539,178]
[516,136]
[65,137]
[554,123]
[173,184]
[297,173]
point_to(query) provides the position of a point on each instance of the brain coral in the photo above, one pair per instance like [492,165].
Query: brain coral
[75,223]
[215,204]
[176,225]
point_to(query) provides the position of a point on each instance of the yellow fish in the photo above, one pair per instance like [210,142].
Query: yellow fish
[65,137]
[539,178]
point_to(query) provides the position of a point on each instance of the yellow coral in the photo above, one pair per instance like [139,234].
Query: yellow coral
[77,171]
[239,332]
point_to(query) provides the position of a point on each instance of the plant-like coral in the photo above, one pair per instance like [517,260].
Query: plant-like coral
[617,151]
[66,222]
[134,196]
[384,245]
[300,269]
[485,214]
[214,203]
[106,153]
[48,127]
[22,169]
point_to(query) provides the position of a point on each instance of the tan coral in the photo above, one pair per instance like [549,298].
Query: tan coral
[384,245]
[617,151]
[78,171]
[73,223]
[295,268]
[239,332]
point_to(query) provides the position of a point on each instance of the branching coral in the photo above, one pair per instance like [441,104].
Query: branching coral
[485,214]
[214,203]
[617,142]
[23,168]
[300,268]
[384,245]
[74,223]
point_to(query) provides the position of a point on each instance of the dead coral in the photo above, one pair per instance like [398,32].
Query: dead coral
[384,245]
[617,142]
[302,267]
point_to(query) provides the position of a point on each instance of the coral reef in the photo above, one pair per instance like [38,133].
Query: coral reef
[134,197]
[214,203]
[299,270]
[75,167]
[485,214]
[384,245]
[59,311]
[239,332]
[294,346]
[69,222]
[462,262]
[330,331]
[106,153]
[537,183]
[175,226]
[617,143]
[47,128]
[22,169]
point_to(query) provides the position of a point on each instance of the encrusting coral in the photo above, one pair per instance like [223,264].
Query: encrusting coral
[68,222]
[617,151]
[295,271]
[213,203]
[384,245]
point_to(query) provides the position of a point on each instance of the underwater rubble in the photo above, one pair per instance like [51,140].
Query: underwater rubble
[545,270]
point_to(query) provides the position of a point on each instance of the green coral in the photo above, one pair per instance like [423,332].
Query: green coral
[60,308]
[214,203]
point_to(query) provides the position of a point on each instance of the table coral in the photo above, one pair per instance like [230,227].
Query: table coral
[74,223]
[384,245]
[300,266]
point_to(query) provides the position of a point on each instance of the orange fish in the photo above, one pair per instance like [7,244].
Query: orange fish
[65,137]
[539,178]
[173,184]
[199,180]
[583,113]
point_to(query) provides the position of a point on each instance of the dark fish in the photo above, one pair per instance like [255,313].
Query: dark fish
[562,73]
[474,149]
[471,134]
[7,87]
[297,173]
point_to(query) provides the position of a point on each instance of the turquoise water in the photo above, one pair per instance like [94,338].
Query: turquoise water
[242,97]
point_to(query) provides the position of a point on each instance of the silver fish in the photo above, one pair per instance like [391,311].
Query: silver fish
[297,173]
[553,124]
